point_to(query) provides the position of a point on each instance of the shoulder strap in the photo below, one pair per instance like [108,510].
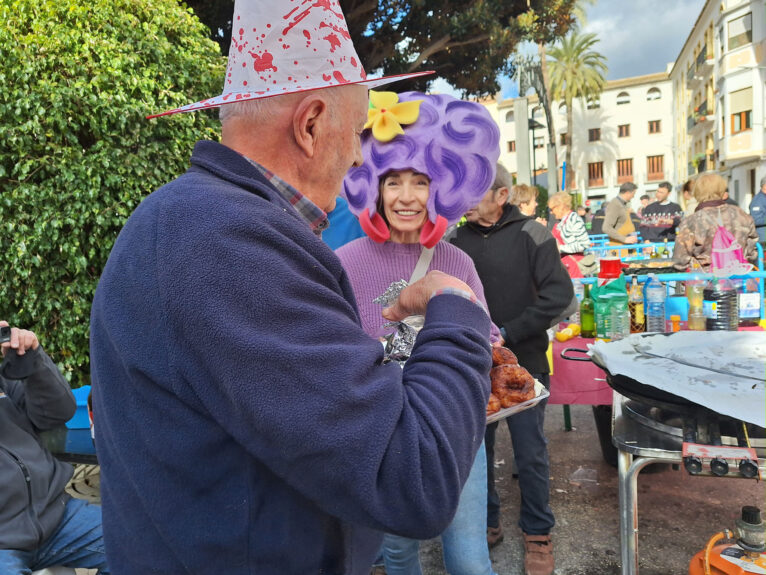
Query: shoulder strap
[422,266]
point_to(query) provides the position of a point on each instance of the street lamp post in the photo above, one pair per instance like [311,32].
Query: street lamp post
[533,125]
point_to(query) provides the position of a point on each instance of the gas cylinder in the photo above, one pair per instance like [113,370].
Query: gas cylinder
[738,553]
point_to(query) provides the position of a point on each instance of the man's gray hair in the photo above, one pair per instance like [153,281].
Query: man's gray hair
[503,179]
[763,181]
[265,109]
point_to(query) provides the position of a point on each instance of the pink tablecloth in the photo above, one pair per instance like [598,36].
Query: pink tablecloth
[579,382]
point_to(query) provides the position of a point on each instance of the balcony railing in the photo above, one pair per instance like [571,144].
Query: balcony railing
[595,182]
[690,73]
[625,178]
[702,56]
[655,176]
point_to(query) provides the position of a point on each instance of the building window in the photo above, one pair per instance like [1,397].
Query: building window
[563,139]
[563,109]
[509,117]
[741,121]
[593,103]
[623,98]
[741,104]
[741,31]
[623,131]
[653,94]
[539,142]
[512,146]
[624,170]
[594,134]
[655,168]
[654,126]
[596,174]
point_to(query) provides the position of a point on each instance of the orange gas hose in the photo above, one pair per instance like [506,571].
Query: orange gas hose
[725,534]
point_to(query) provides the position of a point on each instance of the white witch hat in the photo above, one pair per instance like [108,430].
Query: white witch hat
[286,46]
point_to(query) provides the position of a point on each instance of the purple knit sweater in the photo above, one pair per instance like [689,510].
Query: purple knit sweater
[371,268]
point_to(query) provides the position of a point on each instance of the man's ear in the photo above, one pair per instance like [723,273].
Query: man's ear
[306,120]
[501,196]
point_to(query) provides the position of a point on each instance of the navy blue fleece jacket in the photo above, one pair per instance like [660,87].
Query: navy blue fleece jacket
[244,421]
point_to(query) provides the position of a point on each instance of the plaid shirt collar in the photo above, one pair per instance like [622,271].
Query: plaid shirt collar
[314,216]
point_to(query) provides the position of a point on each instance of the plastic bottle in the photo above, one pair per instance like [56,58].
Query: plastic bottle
[655,305]
[579,291]
[587,318]
[636,307]
[694,289]
[748,304]
[719,303]
[620,317]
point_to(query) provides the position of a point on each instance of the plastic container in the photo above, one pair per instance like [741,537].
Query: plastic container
[655,305]
[609,269]
[620,318]
[748,304]
[719,304]
[636,307]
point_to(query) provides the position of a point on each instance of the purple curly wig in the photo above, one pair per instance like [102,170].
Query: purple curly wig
[455,143]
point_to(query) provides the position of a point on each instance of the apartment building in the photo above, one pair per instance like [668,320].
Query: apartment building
[504,113]
[719,88]
[623,136]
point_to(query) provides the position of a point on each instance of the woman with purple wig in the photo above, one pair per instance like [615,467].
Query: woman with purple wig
[427,159]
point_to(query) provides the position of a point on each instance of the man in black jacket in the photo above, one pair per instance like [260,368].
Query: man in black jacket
[526,288]
[40,524]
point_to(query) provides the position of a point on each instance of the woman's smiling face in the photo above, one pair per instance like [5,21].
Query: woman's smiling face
[404,194]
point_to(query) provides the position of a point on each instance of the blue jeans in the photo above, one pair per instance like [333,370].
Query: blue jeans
[531,453]
[464,542]
[76,542]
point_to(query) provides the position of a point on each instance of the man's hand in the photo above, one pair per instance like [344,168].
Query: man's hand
[631,240]
[414,298]
[21,340]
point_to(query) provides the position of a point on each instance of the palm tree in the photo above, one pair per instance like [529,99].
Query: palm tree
[580,18]
[576,71]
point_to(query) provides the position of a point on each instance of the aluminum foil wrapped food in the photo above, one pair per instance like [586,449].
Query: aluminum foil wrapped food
[399,344]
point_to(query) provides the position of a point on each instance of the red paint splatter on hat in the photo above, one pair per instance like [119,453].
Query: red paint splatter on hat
[339,29]
[353,62]
[307,34]
[339,77]
[334,42]
[264,62]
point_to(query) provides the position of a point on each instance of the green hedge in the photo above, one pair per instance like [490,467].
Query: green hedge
[76,154]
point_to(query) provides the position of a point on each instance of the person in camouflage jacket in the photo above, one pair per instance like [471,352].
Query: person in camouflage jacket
[694,238]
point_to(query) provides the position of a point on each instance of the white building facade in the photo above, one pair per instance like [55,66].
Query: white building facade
[719,86]
[625,136]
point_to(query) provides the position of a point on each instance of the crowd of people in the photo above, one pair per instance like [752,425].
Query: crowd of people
[690,229]
[247,418]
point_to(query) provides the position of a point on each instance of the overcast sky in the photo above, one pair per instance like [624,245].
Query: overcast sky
[636,37]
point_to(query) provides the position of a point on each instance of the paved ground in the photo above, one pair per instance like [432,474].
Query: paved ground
[677,513]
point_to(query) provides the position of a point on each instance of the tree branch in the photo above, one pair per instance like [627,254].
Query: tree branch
[443,44]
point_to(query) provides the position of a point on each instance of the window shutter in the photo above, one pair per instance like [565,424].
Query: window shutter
[741,101]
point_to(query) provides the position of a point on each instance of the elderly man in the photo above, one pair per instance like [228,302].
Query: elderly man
[758,211]
[526,288]
[618,224]
[246,423]
[41,526]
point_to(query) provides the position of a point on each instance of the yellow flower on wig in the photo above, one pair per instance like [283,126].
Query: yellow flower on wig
[386,115]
